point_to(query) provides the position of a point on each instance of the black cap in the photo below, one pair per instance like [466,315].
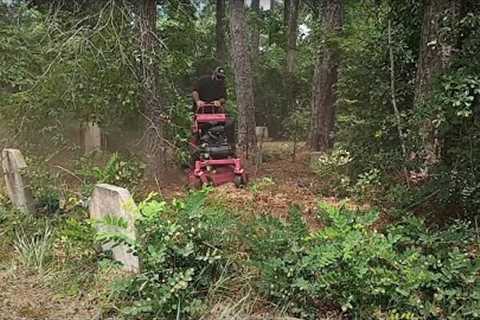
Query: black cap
[219,72]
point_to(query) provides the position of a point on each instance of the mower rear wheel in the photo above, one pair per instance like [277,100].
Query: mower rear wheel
[240,181]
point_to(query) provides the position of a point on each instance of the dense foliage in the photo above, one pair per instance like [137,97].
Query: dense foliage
[189,248]
[66,63]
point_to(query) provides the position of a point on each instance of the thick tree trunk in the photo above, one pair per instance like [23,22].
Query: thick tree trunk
[243,80]
[154,146]
[324,96]
[436,51]
[255,35]
[220,32]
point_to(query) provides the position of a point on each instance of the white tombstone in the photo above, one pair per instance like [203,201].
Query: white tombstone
[261,133]
[13,164]
[92,138]
[108,200]
[264,4]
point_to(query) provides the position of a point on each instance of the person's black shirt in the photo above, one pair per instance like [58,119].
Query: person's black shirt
[210,89]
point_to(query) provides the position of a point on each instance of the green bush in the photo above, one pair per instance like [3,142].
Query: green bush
[406,271]
[185,248]
[369,274]
[334,170]
[119,171]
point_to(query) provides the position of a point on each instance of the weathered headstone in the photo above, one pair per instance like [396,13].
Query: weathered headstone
[108,200]
[261,133]
[13,164]
[92,138]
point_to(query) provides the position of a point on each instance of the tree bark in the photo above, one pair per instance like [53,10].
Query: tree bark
[255,33]
[154,146]
[324,93]
[292,34]
[243,80]
[220,32]
[436,52]
[286,8]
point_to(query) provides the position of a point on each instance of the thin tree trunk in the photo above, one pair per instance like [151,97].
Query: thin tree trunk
[220,32]
[292,34]
[394,99]
[436,51]
[286,8]
[243,80]
[154,146]
[324,93]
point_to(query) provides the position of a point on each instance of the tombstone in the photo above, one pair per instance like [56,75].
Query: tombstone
[261,133]
[13,163]
[91,138]
[264,4]
[108,200]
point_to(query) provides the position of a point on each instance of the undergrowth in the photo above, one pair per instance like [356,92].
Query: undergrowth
[200,258]
[404,272]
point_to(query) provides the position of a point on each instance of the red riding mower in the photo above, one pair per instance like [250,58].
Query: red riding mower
[213,157]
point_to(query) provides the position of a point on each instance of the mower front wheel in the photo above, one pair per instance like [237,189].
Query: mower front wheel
[195,183]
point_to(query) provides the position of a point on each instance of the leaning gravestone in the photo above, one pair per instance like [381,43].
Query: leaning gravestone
[108,200]
[13,164]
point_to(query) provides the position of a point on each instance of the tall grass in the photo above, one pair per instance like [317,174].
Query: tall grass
[34,250]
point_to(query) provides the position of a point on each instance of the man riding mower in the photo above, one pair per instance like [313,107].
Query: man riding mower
[214,161]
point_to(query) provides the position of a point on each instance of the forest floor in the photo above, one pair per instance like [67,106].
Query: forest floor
[275,186]
[27,295]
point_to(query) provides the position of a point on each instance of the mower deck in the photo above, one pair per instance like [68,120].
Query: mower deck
[211,169]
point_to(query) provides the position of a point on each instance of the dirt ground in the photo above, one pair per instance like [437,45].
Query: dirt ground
[25,296]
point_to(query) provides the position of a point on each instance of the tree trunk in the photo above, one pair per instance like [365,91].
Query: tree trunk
[436,51]
[292,34]
[154,146]
[324,95]
[243,80]
[255,35]
[220,32]
[286,9]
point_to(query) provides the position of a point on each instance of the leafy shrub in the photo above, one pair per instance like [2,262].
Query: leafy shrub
[75,239]
[45,185]
[404,272]
[261,185]
[456,180]
[368,185]
[184,248]
[116,171]
[407,269]
[333,169]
